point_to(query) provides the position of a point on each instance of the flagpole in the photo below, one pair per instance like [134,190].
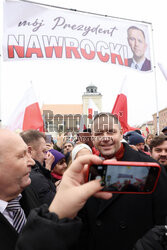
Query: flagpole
[155,81]
[156,96]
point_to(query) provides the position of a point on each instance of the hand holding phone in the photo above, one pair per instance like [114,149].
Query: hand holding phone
[126,177]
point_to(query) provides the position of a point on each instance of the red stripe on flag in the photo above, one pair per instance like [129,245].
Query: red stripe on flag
[33,118]
[90,113]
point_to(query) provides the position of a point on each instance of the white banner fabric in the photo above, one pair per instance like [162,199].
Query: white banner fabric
[33,31]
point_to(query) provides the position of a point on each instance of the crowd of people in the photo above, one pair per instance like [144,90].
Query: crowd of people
[45,202]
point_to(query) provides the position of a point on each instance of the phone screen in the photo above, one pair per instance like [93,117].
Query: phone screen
[125,178]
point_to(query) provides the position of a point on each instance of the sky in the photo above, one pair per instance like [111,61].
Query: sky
[60,83]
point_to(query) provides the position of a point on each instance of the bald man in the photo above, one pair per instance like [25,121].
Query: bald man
[15,167]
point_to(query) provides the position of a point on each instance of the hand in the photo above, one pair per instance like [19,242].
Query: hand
[73,192]
[49,160]
[60,140]
[57,183]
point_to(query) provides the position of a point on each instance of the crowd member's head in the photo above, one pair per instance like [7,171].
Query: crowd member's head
[49,142]
[15,165]
[68,147]
[137,43]
[137,140]
[59,165]
[36,144]
[106,134]
[158,148]
[164,130]
[80,149]
[85,137]
[149,139]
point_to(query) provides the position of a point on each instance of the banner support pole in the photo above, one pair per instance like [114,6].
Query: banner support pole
[156,87]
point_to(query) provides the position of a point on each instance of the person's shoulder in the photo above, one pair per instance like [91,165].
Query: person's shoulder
[146,65]
[130,60]
[36,173]
[134,155]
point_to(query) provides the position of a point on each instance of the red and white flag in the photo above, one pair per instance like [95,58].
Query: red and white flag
[92,109]
[147,129]
[120,108]
[27,114]
[82,125]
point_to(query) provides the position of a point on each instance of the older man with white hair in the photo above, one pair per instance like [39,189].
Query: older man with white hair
[16,198]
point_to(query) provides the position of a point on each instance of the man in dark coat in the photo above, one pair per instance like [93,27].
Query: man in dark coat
[41,179]
[57,227]
[119,222]
[137,43]
[15,167]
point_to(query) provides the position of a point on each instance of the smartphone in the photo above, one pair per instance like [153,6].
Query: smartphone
[126,177]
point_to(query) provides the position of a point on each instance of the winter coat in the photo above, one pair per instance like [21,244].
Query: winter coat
[119,222]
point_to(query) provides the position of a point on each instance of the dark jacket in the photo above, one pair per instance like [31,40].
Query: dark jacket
[41,182]
[145,67]
[119,222]
[8,235]
[154,239]
[44,231]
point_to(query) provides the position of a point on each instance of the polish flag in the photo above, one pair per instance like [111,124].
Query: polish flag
[147,129]
[92,109]
[27,114]
[82,125]
[120,108]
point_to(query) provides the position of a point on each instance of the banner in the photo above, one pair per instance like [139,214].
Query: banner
[33,31]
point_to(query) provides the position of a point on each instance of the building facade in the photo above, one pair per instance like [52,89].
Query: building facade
[162,119]
[147,128]
[66,118]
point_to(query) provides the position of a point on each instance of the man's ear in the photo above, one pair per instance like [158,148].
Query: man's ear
[30,150]
[121,133]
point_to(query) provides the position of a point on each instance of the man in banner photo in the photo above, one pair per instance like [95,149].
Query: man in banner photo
[138,45]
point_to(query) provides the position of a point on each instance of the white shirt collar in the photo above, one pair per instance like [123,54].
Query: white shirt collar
[3,204]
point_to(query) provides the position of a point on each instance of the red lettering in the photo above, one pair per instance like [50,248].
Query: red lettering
[89,56]
[118,57]
[74,50]
[31,51]
[104,58]
[19,50]
[57,49]
[126,61]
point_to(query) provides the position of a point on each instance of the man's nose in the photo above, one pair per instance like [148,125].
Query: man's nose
[136,43]
[163,153]
[65,165]
[106,137]
[30,161]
